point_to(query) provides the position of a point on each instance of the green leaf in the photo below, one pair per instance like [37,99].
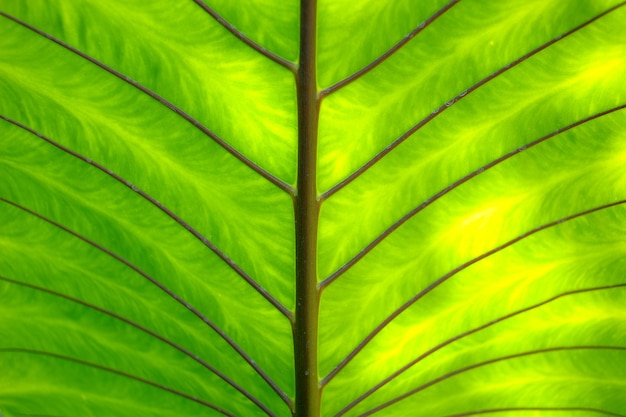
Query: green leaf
[322,208]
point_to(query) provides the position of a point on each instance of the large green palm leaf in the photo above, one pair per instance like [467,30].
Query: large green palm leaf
[272,208]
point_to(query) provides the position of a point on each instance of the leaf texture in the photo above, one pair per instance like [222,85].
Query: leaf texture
[470,202]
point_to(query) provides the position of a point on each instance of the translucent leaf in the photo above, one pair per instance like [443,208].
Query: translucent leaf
[315,208]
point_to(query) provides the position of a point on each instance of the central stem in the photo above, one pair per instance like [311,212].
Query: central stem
[306,217]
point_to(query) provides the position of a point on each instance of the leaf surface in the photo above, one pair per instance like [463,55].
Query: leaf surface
[470,198]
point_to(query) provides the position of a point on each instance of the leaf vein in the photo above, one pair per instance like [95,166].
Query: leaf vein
[391,51]
[485,363]
[221,142]
[452,273]
[327,281]
[167,291]
[119,373]
[165,210]
[465,334]
[242,37]
[395,143]
[149,332]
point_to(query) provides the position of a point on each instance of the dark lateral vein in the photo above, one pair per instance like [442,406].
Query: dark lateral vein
[150,333]
[230,149]
[165,210]
[118,373]
[167,291]
[239,35]
[454,185]
[548,409]
[394,49]
[449,275]
[465,334]
[485,363]
[454,100]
